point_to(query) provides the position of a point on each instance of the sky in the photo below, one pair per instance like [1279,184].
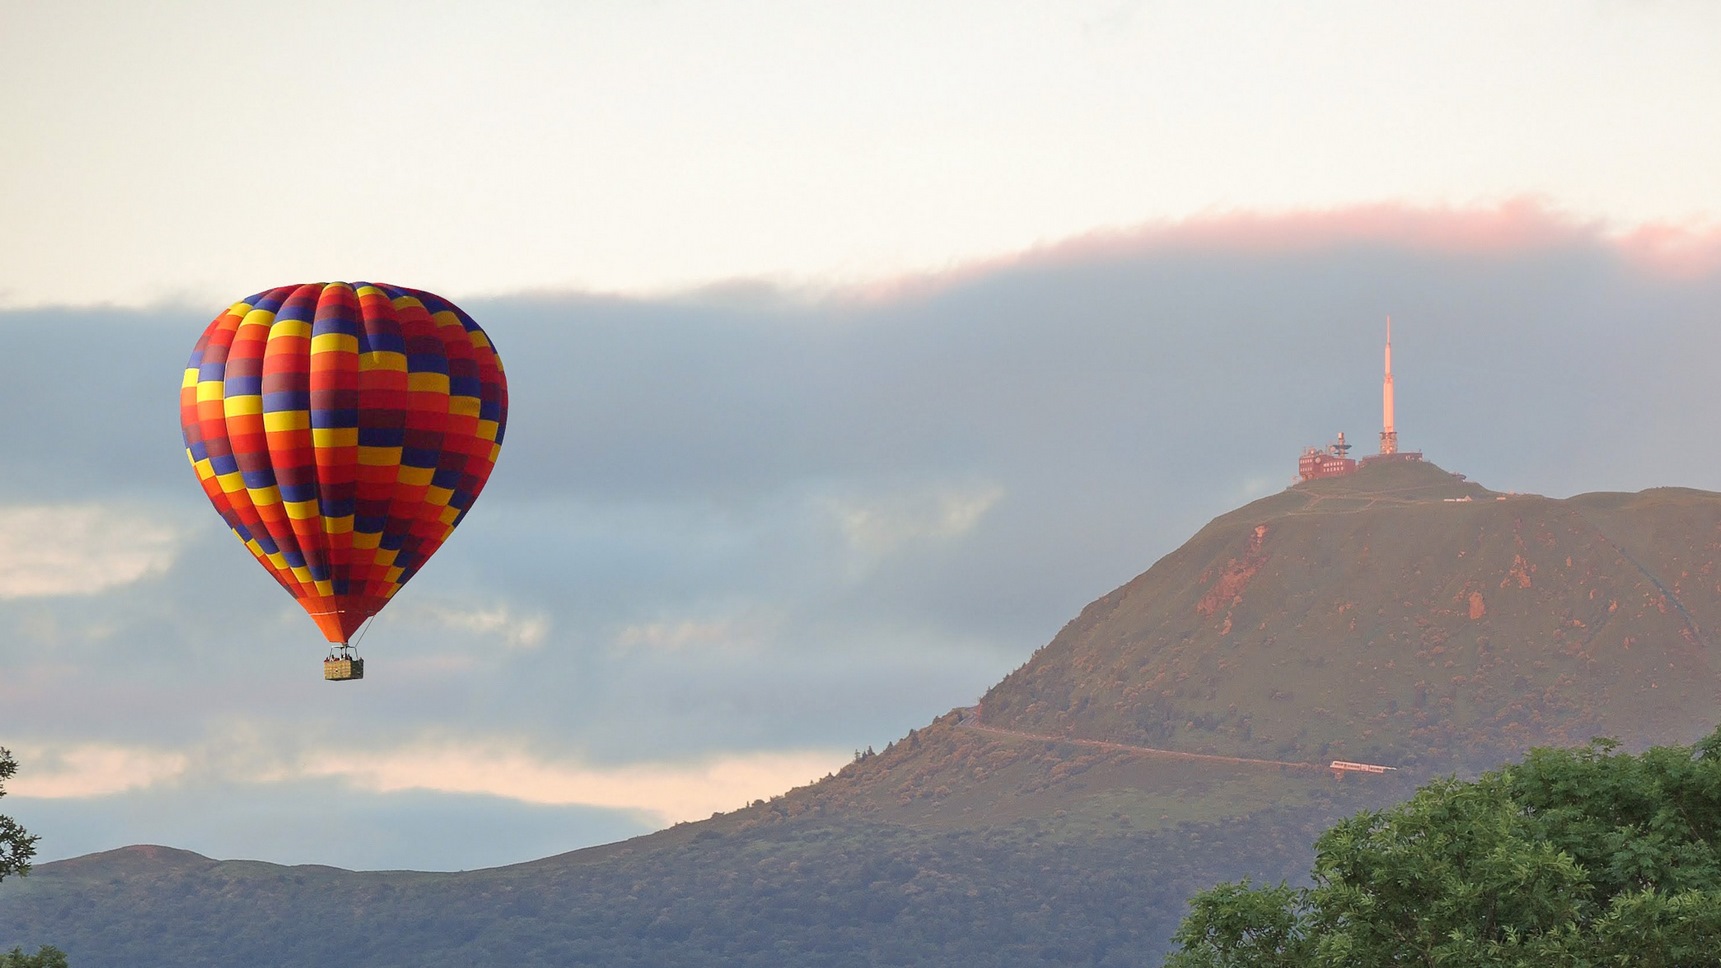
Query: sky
[852,350]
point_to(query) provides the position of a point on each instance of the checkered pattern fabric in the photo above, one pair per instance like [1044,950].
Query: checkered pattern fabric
[343,430]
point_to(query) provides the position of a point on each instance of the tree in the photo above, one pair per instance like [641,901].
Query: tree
[1584,857]
[47,956]
[17,846]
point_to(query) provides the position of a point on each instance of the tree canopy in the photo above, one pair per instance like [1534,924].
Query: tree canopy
[1578,857]
[17,846]
[47,956]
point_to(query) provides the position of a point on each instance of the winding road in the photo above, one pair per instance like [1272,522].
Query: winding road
[969,718]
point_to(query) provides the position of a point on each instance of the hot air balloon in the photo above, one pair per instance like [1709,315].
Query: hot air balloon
[342,430]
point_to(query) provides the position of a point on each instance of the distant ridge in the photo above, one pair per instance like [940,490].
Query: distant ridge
[136,857]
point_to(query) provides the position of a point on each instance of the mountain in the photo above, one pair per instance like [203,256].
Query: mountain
[1400,615]
[1176,733]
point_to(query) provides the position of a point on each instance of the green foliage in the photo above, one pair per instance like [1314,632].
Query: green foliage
[1583,858]
[1238,926]
[16,849]
[47,956]
[16,845]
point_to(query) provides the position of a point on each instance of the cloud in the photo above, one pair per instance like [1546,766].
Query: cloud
[1521,224]
[93,769]
[676,635]
[78,549]
[879,525]
[671,791]
[1680,250]
[517,632]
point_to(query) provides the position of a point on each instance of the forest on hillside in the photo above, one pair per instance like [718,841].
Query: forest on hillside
[808,892]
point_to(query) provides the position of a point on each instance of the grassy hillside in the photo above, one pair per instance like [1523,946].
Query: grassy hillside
[1378,617]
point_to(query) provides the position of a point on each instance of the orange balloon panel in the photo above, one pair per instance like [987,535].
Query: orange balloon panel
[343,430]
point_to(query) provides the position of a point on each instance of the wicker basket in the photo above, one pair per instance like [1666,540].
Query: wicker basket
[342,670]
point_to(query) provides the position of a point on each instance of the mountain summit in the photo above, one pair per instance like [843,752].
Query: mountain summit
[1400,615]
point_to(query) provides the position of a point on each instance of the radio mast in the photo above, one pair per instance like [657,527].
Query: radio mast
[1388,436]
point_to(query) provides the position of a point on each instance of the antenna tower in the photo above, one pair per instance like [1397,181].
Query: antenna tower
[1388,436]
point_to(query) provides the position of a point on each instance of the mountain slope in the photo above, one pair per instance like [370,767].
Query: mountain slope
[1384,617]
[1174,734]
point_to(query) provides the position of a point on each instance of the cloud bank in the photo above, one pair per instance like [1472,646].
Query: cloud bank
[47,550]
[731,538]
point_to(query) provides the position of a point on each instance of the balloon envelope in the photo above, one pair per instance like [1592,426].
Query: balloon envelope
[342,430]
